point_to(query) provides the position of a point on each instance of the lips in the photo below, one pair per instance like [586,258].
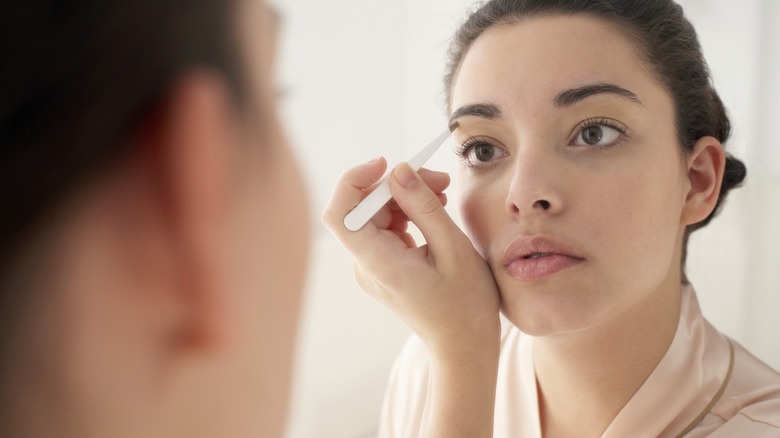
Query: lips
[535,257]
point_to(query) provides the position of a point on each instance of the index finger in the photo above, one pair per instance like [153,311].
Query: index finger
[349,191]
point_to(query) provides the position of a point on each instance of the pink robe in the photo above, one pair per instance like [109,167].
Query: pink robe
[705,385]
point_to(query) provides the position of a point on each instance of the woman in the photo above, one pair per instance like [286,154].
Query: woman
[591,142]
[153,225]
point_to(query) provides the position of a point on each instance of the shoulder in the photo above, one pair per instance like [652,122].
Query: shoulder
[750,406]
[760,419]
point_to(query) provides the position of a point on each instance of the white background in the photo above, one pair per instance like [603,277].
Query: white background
[364,79]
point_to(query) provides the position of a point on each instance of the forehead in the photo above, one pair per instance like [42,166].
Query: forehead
[537,57]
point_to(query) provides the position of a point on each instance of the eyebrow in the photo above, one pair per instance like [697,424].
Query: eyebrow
[484,110]
[574,95]
[565,98]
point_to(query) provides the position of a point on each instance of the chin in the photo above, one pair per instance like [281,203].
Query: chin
[547,312]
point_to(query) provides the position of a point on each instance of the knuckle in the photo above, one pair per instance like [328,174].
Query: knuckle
[428,205]
[328,218]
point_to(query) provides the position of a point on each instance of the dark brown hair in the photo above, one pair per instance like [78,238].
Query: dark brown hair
[670,47]
[76,78]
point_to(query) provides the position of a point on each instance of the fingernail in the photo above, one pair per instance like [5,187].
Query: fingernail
[405,175]
[373,161]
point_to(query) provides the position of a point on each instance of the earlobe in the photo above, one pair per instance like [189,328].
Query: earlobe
[189,152]
[705,167]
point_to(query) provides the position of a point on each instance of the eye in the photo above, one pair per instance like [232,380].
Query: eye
[598,133]
[479,153]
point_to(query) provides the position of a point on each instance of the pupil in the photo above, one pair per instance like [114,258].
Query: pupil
[484,152]
[592,135]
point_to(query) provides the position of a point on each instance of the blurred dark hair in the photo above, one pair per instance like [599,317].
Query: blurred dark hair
[670,47]
[76,77]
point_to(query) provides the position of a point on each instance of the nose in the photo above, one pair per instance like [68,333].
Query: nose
[536,186]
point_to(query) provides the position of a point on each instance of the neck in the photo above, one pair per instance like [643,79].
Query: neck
[585,378]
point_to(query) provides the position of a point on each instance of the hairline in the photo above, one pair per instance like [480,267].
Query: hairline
[620,25]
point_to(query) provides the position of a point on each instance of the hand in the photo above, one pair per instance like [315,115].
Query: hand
[443,290]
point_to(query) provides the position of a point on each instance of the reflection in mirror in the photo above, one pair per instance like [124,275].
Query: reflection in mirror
[379,82]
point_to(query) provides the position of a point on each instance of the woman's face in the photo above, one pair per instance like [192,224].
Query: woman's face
[572,182]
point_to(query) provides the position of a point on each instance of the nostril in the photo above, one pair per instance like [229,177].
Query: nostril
[543,203]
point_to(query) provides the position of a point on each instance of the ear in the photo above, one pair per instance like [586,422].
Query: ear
[706,164]
[187,147]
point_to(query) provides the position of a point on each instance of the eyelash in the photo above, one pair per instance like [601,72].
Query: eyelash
[465,148]
[600,121]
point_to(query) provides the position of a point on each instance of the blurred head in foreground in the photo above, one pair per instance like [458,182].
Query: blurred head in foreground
[153,221]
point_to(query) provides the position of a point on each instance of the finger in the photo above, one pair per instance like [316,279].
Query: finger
[400,222]
[350,190]
[374,244]
[393,206]
[384,218]
[437,181]
[423,207]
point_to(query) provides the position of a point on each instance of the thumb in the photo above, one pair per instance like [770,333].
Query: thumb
[421,206]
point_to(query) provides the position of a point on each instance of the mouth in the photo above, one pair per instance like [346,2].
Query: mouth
[534,258]
[538,255]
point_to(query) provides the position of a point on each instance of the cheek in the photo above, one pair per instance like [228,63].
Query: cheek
[269,258]
[280,226]
[290,224]
[636,213]
[658,200]
[270,238]
[481,211]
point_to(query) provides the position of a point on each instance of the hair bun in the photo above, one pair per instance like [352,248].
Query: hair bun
[733,175]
